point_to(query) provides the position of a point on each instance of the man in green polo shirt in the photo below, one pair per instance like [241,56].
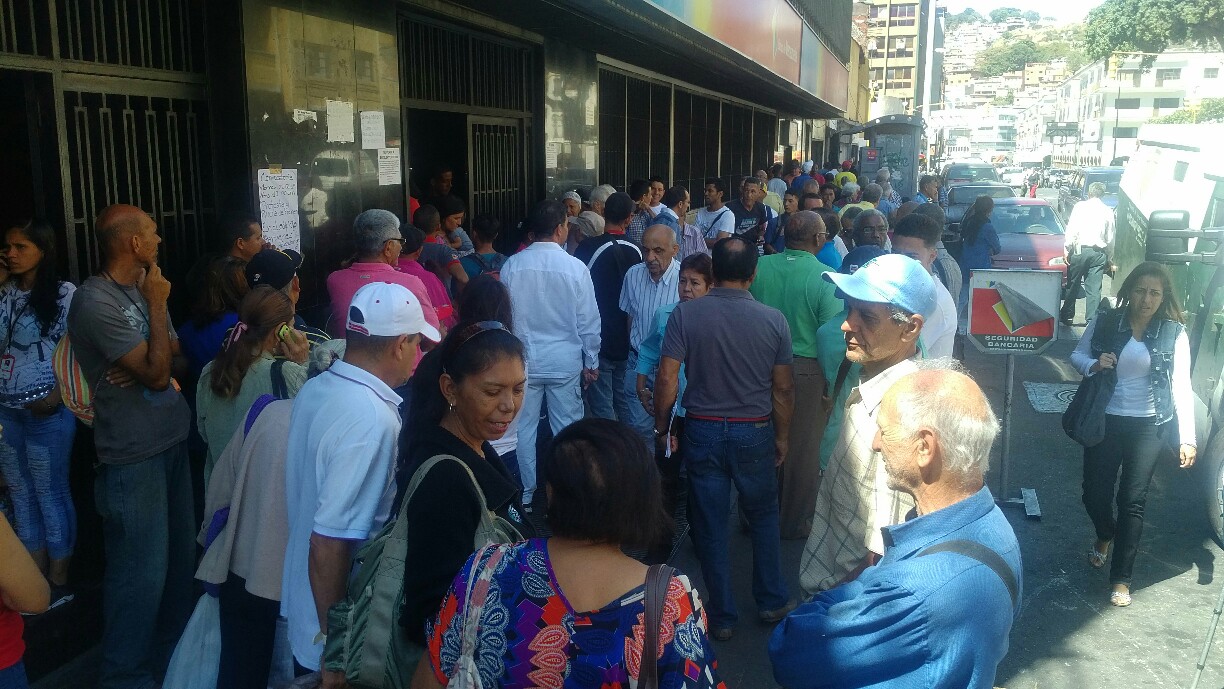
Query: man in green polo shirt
[790,282]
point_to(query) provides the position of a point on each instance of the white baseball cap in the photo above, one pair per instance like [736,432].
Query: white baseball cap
[383,309]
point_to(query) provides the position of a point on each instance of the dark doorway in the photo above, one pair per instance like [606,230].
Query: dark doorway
[436,139]
[29,178]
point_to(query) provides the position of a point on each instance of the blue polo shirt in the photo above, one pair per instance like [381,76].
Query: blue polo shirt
[934,621]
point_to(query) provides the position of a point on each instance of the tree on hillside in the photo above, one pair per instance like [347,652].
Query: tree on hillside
[968,16]
[1003,14]
[1007,56]
[1032,16]
[1152,26]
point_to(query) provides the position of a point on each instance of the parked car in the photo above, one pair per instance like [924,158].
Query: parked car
[1076,187]
[968,173]
[1030,234]
[960,197]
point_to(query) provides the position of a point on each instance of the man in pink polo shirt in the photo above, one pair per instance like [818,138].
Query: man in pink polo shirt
[376,235]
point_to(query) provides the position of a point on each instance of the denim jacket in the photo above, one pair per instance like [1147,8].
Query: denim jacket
[1111,335]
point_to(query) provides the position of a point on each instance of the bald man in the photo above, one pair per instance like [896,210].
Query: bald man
[647,287]
[937,609]
[122,338]
[791,282]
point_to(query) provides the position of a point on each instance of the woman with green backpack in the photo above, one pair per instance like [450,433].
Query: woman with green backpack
[466,393]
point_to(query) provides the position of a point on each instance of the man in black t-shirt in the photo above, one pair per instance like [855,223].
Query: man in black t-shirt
[609,256]
[750,214]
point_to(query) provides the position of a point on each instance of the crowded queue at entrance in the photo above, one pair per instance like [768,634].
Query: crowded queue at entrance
[478,468]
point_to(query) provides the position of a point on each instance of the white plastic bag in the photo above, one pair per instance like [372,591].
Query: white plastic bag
[197,657]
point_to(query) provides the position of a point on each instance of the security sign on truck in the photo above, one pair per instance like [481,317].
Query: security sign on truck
[1014,311]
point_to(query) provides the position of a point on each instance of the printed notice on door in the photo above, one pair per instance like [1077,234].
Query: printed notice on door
[278,208]
[340,121]
[388,166]
[373,129]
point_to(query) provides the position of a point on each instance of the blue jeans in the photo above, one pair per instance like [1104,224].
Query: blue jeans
[605,398]
[635,415]
[717,455]
[149,530]
[34,452]
[14,677]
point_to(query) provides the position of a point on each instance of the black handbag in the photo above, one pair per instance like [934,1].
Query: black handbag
[1084,420]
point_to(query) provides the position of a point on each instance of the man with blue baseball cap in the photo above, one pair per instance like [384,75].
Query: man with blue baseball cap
[887,301]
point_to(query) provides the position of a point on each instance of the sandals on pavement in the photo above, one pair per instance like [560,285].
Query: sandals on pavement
[1097,558]
[1120,599]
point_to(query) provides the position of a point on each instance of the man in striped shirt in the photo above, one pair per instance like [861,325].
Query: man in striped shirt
[647,287]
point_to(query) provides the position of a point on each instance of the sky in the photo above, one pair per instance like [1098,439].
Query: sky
[1063,10]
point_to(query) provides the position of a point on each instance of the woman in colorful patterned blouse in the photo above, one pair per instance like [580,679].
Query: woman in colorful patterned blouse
[568,611]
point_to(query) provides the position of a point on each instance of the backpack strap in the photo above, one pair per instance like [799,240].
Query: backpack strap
[984,555]
[261,403]
[485,266]
[381,618]
[279,387]
[843,372]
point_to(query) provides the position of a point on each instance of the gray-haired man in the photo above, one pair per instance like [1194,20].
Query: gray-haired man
[889,299]
[936,611]
[376,234]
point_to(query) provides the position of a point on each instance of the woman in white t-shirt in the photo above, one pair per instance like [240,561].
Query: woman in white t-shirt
[1151,411]
[38,430]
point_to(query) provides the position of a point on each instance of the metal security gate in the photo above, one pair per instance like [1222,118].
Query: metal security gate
[497,167]
[467,89]
[130,115]
[151,152]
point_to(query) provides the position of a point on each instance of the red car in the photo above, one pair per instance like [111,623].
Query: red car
[1030,234]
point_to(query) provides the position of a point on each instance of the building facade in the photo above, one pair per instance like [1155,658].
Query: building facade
[306,113]
[900,48]
[1110,99]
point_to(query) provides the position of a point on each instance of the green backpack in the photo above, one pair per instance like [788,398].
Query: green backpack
[364,638]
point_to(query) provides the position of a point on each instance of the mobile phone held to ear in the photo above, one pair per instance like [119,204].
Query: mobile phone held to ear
[282,333]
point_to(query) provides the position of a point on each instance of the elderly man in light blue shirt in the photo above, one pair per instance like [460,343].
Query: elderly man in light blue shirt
[937,609]
[557,318]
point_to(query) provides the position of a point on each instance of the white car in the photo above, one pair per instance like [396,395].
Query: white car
[1016,178]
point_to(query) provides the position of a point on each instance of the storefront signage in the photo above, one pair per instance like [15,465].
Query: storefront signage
[770,32]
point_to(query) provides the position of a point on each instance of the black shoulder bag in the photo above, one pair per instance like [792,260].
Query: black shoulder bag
[1084,420]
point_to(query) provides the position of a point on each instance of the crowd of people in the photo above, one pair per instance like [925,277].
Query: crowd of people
[531,436]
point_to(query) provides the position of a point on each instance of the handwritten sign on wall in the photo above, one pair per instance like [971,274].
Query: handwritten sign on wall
[278,208]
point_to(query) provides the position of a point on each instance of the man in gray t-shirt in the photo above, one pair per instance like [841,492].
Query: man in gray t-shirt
[122,339]
[740,394]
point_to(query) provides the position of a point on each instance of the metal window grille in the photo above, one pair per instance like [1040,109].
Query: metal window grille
[151,34]
[151,152]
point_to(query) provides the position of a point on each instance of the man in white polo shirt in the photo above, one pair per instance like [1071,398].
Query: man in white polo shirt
[340,466]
